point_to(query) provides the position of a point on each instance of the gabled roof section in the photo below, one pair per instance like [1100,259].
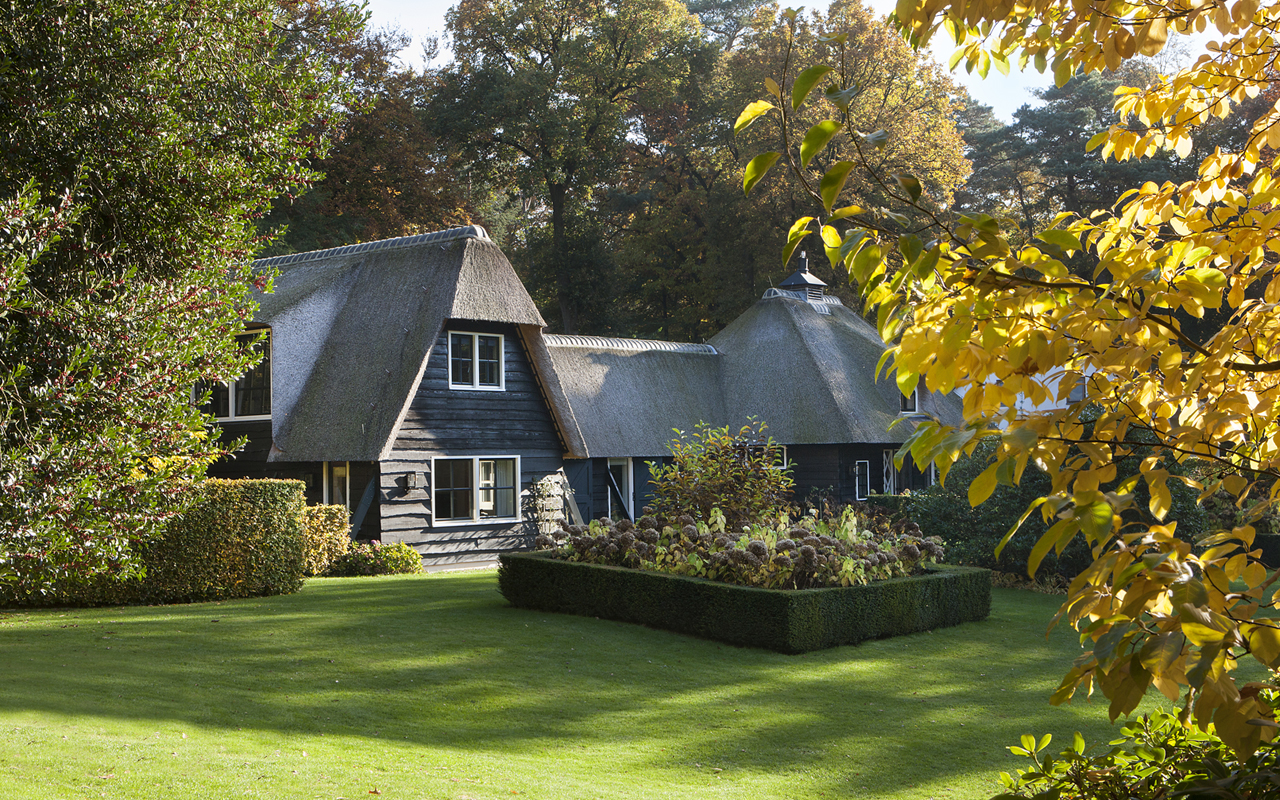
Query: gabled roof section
[352,328]
[811,376]
[627,395]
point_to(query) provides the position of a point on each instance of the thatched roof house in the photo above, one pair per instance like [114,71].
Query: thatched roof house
[410,379]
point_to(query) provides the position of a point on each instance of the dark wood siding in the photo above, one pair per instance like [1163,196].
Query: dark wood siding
[833,467]
[452,422]
[816,466]
[251,460]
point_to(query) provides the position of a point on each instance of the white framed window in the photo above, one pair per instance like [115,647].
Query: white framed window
[890,477]
[249,396]
[620,471]
[861,480]
[475,490]
[337,483]
[911,403]
[476,361]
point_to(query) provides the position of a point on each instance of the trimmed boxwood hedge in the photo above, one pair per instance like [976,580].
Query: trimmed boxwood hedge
[241,538]
[781,620]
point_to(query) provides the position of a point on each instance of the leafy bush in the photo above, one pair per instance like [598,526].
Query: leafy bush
[845,550]
[326,534]
[1157,756]
[242,538]
[375,559]
[974,533]
[741,474]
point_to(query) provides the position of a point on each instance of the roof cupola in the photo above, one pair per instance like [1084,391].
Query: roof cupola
[802,280]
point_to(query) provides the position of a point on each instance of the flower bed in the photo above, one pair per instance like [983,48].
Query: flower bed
[787,621]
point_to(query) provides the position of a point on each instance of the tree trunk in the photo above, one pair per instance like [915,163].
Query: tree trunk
[564,284]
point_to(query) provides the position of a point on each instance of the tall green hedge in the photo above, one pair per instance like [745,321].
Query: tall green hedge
[242,538]
[787,621]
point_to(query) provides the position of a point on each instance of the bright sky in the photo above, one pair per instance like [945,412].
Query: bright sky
[423,18]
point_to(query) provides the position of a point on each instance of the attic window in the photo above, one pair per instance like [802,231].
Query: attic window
[249,396]
[911,403]
[476,361]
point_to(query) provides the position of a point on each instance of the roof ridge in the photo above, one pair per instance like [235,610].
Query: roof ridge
[464,232]
[635,345]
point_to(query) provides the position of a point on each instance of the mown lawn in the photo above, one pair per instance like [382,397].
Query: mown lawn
[432,687]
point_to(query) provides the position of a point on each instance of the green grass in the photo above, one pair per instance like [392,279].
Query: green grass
[432,687]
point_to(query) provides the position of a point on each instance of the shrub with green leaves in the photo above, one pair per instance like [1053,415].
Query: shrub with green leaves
[1156,757]
[847,549]
[741,473]
[376,559]
[241,538]
[326,534]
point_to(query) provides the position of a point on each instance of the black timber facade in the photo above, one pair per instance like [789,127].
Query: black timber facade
[444,422]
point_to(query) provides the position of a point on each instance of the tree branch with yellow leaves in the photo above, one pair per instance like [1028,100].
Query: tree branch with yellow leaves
[1100,300]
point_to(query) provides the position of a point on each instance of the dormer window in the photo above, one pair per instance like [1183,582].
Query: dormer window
[249,396]
[476,361]
[911,402]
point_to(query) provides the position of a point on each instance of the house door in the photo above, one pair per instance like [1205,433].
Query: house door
[578,473]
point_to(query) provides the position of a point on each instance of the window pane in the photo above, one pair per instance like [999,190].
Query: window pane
[460,359]
[453,488]
[490,360]
[253,390]
[498,487]
[219,398]
[338,484]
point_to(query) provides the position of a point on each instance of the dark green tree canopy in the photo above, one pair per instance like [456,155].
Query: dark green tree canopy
[138,141]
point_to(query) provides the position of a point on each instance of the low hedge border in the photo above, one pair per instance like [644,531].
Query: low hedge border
[773,619]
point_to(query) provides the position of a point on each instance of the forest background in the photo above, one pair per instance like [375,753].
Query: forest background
[594,140]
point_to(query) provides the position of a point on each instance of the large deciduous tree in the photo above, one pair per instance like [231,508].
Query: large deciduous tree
[384,174]
[543,92]
[695,251]
[137,142]
[973,310]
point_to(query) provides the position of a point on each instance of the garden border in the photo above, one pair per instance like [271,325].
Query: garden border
[787,621]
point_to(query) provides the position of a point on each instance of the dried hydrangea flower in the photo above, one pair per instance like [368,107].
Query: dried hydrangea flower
[911,551]
[782,560]
[690,530]
[784,545]
[647,521]
[807,552]
[758,548]
[684,519]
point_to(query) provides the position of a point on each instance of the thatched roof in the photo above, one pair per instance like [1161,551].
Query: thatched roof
[811,375]
[806,368]
[352,328]
[627,395]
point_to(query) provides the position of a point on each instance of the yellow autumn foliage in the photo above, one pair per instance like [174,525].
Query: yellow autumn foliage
[1105,303]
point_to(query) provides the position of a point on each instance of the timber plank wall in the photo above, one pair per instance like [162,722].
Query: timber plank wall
[454,422]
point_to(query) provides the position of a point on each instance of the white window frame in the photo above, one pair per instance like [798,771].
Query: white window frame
[890,477]
[913,401]
[475,385]
[250,334]
[326,472]
[861,485]
[476,519]
[626,490]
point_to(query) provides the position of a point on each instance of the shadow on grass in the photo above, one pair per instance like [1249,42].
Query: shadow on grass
[443,661]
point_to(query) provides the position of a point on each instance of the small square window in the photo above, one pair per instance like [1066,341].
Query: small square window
[476,361]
